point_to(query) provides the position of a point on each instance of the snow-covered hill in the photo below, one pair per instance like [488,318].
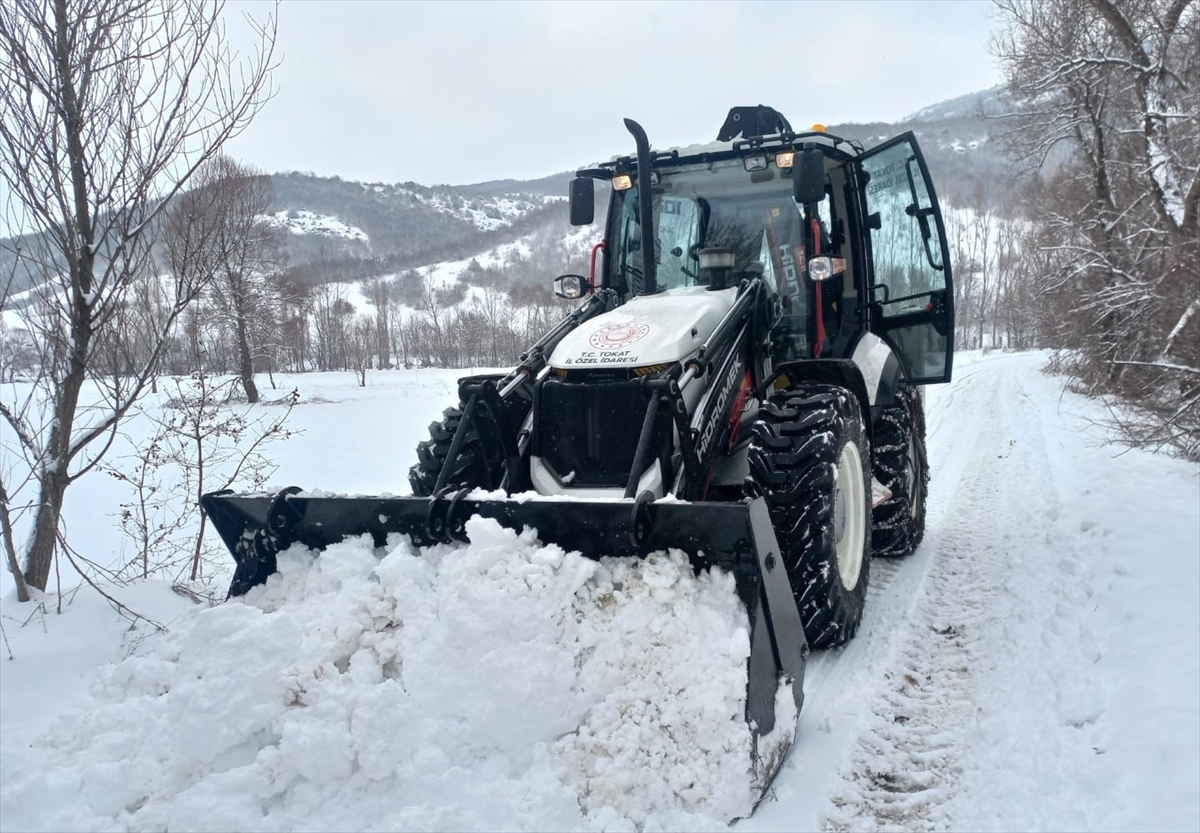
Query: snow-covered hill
[339,228]
[988,102]
[1035,665]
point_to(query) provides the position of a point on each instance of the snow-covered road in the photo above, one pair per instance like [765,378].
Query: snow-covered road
[1034,665]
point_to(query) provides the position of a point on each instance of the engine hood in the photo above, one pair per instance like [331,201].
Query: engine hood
[647,330]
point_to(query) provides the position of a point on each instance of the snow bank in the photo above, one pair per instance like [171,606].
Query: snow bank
[497,685]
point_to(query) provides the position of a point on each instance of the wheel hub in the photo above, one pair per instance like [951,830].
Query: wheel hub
[851,512]
[912,471]
[839,514]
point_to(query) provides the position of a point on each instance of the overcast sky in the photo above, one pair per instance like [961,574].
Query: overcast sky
[459,91]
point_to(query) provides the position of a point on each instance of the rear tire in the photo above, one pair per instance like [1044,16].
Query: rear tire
[901,465]
[809,458]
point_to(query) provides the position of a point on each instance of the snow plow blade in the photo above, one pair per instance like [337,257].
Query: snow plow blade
[736,537]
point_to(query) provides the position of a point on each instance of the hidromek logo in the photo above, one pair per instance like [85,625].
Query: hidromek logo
[728,384]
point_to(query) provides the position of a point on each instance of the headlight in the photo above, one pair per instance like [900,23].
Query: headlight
[758,162]
[820,269]
[823,268]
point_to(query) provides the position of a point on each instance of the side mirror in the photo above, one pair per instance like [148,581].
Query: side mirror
[583,201]
[571,286]
[808,179]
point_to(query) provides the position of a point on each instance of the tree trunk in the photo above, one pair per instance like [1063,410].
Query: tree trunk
[245,361]
[40,557]
[55,475]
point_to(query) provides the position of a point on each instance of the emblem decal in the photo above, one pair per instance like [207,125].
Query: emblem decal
[616,336]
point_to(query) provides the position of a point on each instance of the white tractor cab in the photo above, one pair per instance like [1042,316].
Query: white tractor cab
[849,245]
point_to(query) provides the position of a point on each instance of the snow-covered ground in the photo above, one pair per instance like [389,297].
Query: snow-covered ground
[1035,665]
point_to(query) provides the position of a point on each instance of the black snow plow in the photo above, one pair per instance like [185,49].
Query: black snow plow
[734,537]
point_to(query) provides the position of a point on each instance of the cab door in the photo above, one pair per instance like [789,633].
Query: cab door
[912,293]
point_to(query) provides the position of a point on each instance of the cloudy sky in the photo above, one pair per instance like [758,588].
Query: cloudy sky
[462,91]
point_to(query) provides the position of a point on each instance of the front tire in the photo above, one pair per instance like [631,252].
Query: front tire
[809,458]
[469,469]
[901,465]
[479,465]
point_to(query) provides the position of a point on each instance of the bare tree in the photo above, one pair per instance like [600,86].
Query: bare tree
[432,308]
[220,229]
[332,315]
[397,330]
[1109,109]
[494,306]
[377,294]
[198,445]
[108,109]
[362,339]
[294,300]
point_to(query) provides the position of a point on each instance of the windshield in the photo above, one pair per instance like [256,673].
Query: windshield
[713,204]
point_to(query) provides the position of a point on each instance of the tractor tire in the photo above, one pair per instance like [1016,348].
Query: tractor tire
[809,458]
[474,467]
[898,524]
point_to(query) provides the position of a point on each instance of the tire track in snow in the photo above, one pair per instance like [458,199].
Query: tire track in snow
[1041,655]
[885,572]
[906,759]
[840,683]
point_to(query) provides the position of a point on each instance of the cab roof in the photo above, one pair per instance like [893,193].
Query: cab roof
[711,151]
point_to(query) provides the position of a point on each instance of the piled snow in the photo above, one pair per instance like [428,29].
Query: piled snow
[497,685]
[306,222]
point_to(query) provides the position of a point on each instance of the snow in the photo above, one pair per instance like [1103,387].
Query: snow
[447,273]
[486,214]
[369,689]
[307,222]
[1034,665]
[1164,179]
[961,146]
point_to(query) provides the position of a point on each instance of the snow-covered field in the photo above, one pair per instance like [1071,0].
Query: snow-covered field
[1035,665]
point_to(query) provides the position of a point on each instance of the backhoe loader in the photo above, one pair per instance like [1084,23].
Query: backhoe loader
[740,381]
